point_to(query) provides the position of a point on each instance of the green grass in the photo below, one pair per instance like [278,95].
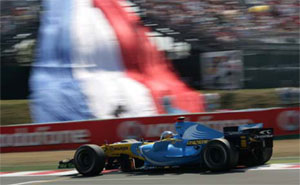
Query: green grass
[14,112]
[247,98]
[284,160]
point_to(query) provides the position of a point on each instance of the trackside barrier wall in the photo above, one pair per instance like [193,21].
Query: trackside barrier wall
[70,135]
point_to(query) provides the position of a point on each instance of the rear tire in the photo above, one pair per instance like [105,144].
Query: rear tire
[265,156]
[259,157]
[89,160]
[218,155]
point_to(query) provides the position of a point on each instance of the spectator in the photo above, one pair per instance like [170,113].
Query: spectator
[226,20]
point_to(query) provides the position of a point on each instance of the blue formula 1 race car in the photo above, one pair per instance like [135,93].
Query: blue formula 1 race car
[194,144]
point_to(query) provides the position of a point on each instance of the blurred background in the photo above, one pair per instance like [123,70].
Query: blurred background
[238,54]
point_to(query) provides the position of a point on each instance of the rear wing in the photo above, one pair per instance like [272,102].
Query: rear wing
[252,129]
[262,135]
[243,127]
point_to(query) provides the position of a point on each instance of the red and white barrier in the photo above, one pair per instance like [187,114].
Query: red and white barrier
[70,135]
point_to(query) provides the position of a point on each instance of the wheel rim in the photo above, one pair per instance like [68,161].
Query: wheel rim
[216,156]
[85,160]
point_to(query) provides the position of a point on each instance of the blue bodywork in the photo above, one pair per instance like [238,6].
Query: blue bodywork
[184,148]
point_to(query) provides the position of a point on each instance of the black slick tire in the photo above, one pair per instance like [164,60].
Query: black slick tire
[218,155]
[89,160]
[259,157]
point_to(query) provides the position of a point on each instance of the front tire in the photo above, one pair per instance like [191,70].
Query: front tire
[89,160]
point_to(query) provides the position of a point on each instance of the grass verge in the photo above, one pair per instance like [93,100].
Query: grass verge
[295,159]
[14,112]
[36,167]
[247,98]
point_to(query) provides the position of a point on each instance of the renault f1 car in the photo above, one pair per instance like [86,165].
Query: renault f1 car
[193,144]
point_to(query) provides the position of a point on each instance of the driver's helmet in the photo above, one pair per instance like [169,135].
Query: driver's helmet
[166,135]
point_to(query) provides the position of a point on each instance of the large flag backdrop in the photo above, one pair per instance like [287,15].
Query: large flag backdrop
[93,58]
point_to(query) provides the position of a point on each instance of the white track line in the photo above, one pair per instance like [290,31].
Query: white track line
[72,172]
[274,167]
[29,182]
[123,179]
[14,174]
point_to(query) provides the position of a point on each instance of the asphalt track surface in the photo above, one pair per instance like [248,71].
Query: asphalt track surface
[166,177]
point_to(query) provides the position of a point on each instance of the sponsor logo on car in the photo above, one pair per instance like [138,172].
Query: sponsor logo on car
[263,136]
[265,132]
[121,148]
[197,142]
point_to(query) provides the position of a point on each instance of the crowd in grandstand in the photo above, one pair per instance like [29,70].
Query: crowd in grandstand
[226,20]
